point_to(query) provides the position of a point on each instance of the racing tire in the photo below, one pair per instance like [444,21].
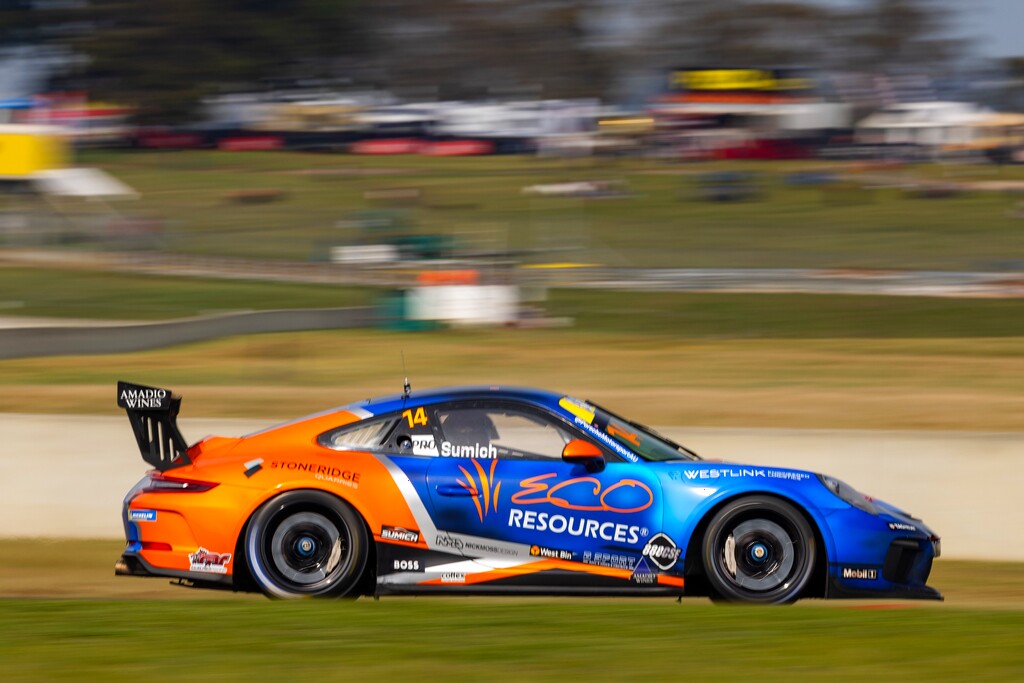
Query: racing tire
[760,550]
[306,544]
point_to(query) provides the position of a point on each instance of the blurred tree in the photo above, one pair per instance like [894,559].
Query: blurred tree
[473,48]
[745,33]
[164,57]
[1012,95]
[900,34]
[723,34]
[19,25]
[868,35]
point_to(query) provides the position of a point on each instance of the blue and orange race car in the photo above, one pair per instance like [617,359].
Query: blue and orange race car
[497,490]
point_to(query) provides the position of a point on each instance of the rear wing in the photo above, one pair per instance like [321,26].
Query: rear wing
[153,414]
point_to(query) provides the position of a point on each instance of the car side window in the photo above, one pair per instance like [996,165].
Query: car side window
[499,432]
[393,434]
[413,434]
[359,436]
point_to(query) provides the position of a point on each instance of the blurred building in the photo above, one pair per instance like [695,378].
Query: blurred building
[932,125]
[745,113]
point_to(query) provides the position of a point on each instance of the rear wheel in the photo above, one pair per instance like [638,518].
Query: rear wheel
[758,549]
[306,544]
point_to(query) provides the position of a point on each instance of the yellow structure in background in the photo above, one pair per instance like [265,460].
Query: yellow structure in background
[28,150]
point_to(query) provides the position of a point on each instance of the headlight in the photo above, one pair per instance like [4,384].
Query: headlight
[847,493]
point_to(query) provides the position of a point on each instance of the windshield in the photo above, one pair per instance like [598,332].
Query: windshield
[642,440]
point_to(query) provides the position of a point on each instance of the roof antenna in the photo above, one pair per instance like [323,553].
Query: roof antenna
[405,387]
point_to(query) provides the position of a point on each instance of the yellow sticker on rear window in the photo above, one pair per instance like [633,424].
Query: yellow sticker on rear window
[578,408]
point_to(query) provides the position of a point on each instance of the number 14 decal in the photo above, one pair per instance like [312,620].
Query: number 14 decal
[419,418]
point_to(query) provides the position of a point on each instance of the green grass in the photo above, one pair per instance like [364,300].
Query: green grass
[662,221]
[666,358]
[503,640]
[955,383]
[793,316]
[105,627]
[92,294]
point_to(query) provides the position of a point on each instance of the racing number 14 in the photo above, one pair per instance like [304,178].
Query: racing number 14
[419,418]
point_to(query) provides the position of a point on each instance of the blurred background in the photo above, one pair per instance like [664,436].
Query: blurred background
[790,231]
[743,213]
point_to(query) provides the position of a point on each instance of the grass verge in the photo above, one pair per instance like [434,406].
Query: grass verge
[109,627]
[504,640]
[660,219]
[945,384]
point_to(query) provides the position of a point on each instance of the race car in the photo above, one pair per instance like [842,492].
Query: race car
[497,490]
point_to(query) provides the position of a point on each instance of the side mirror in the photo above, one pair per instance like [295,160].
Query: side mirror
[580,452]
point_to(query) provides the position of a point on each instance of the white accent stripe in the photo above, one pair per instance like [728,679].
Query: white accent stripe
[461,567]
[473,567]
[428,532]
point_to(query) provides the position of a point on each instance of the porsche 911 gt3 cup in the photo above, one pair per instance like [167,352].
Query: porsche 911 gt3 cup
[497,490]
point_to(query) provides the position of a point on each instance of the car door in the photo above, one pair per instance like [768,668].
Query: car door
[505,496]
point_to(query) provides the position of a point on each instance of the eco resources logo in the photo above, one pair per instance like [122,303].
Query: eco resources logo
[575,526]
[586,494]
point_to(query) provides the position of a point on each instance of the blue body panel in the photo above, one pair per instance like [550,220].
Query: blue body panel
[618,516]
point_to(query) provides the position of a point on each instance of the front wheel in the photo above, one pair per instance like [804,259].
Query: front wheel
[306,544]
[758,549]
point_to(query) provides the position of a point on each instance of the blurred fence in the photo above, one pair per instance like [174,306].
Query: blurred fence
[100,339]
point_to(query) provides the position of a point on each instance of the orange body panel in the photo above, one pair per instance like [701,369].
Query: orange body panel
[291,459]
[197,531]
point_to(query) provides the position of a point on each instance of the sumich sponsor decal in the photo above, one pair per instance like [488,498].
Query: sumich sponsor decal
[450,450]
[397,533]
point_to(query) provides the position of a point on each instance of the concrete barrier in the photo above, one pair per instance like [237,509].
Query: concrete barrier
[65,476]
[64,340]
